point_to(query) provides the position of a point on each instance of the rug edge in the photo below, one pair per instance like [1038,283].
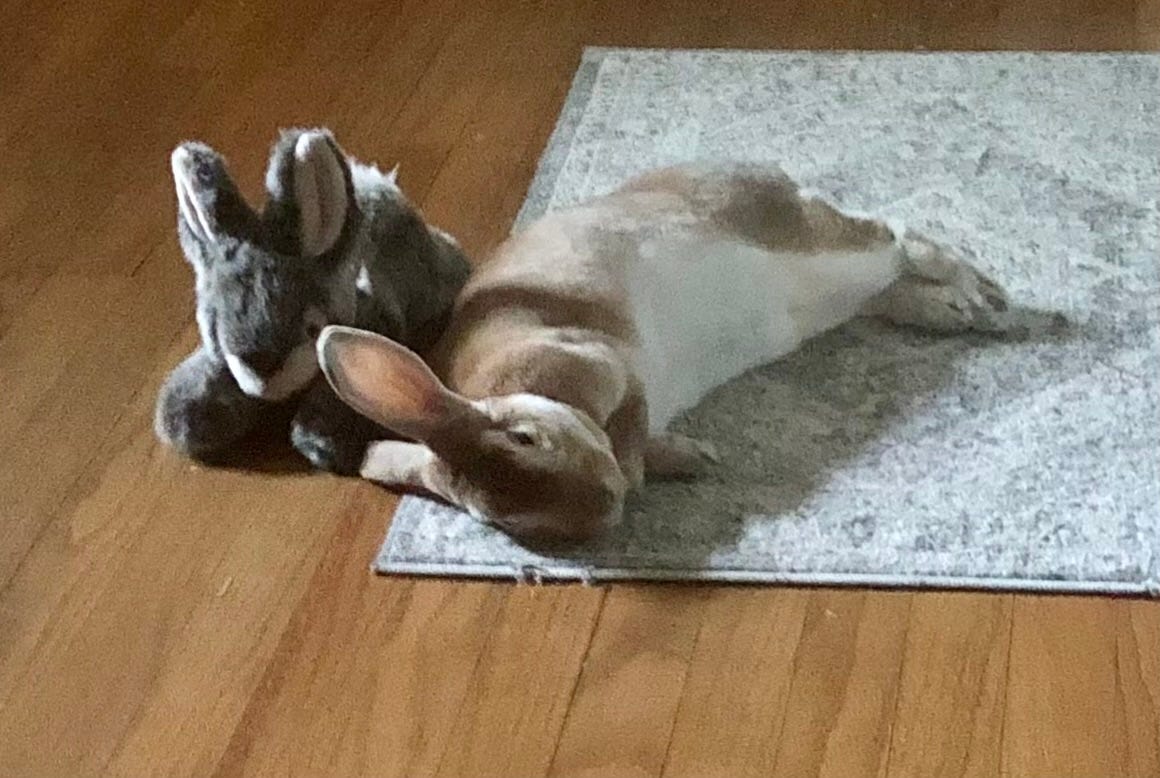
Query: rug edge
[571,574]
[551,162]
[1130,53]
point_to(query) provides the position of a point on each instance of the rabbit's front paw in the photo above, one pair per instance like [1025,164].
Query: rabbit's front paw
[677,456]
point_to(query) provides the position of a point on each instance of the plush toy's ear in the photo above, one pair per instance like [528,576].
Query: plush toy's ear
[310,190]
[208,201]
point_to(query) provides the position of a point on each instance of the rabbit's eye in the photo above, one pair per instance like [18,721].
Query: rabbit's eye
[522,437]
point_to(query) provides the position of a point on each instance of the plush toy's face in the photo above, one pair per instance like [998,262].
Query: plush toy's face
[261,316]
[263,279]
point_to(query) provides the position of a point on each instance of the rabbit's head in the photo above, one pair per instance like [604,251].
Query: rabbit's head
[265,280]
[538,469]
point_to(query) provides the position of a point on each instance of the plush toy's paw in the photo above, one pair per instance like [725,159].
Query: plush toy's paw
[330,434]
[200,411]
[326,452]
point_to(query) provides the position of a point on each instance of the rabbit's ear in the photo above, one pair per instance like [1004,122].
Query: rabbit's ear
[310,190]
[389,383]
[208,201]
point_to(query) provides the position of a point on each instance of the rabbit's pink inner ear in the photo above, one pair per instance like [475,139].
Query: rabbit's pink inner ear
[320,191]
[384,381]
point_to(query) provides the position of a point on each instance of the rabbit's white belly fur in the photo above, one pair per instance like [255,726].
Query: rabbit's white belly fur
[707,309]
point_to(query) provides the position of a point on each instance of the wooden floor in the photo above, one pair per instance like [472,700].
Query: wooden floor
[162,619]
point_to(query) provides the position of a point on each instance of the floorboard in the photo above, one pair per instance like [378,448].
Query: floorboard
[159,618]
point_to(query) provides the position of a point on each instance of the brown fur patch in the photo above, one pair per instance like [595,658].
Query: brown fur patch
[763,206]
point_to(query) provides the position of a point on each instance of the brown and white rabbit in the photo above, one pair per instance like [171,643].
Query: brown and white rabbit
[575,344]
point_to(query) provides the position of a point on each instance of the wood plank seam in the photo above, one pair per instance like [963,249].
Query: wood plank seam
[579,675]
[1003,768]
[898,688]
[682,699]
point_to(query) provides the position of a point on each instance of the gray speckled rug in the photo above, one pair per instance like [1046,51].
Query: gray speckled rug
[875,456]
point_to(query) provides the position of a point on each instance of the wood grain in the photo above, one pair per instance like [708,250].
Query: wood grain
[816,674]
[740,671]
[949,717]
[622,713]
[846,676]
[1100,721]
[158,618]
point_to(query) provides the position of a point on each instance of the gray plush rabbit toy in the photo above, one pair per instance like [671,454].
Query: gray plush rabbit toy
[336,243]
